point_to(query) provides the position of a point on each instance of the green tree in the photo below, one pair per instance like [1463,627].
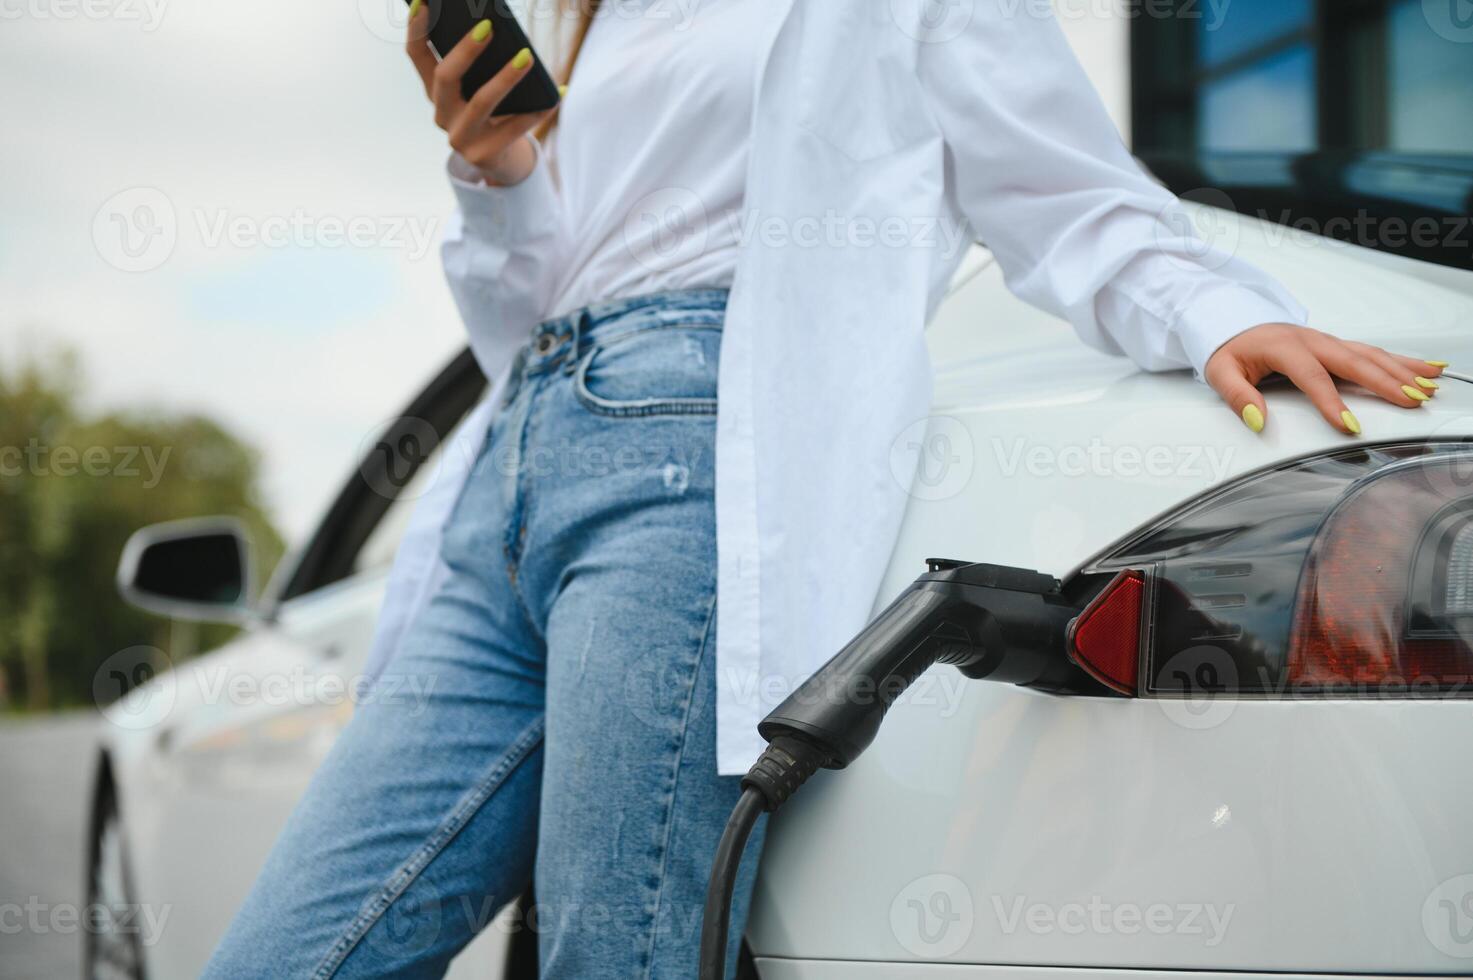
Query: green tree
[72,489]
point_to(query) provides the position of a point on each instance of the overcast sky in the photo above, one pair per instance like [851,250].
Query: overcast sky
[289,147]
[264,135]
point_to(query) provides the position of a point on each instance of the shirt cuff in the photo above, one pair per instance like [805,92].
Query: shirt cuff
[1222,314]
[495,213]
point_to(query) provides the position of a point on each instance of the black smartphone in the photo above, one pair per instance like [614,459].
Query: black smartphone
[451,20]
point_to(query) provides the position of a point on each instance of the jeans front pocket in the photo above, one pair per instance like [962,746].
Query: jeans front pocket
[670,369]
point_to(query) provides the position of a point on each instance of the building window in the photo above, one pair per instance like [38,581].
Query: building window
[1429,81]
[1247,63]
[1310,107]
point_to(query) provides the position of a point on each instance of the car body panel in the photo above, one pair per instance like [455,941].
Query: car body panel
[774,969]
[1328,834]
[231,741]
[1324,825]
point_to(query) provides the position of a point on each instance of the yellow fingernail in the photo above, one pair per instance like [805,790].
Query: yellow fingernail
[1436,363]
[415,8]
[1352,424]
[1253,418]
[1425,383]
[562,91]
[481,31]
[1416,394]
[523,59]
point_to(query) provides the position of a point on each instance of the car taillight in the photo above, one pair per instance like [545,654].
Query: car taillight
[1106,637]
[1384,597]
[1347,574]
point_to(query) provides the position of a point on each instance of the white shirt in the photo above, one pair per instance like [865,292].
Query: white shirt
[651,153]
[883,140]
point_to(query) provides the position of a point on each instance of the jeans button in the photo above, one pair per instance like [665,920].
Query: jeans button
[545,343]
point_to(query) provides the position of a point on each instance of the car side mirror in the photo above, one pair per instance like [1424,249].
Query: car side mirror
[197,569]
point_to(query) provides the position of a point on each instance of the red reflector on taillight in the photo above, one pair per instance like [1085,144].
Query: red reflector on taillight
[1106,638]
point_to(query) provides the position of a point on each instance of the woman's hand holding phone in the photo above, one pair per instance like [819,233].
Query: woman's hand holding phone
[497,146]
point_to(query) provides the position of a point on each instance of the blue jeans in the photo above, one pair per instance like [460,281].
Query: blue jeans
[570,732]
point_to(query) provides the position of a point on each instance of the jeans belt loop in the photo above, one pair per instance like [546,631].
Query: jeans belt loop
[582,325]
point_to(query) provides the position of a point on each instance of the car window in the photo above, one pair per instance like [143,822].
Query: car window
[383,541]
[365,523]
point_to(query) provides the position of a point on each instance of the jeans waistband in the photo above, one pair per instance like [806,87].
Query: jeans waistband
[572,333]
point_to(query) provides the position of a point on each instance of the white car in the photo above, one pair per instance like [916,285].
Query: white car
[1239,831]
[1244,814]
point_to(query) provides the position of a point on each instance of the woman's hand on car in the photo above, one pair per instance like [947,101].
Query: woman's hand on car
[497,146]
[1312,361]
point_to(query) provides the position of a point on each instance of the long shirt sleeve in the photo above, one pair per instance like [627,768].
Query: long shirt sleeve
[502,253]
[1078,228]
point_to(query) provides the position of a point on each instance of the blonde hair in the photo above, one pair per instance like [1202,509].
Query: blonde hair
[585,10]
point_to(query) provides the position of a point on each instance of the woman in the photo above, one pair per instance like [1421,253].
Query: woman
[760,205]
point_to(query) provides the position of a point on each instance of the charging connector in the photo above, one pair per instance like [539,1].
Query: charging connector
[990,621]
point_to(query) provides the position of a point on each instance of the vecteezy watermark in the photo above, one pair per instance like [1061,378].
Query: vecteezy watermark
[1201,686]
[833,230]
[939,21]
[673,465]
[1452,233]
[400,459]
[654,682]
[138,688]
[1211,14]
[137,230]
[674,15]
[412,924]
[37,917]
[1102,459]
[1286,683]
[1101,918]
[666,226]
[148,13]
[301,229]
[933,458]
[395,454]
[1201,229]
[388,20]
[1447,917]
[933,21]
[932,917]
[671,224]
[1198,687]
[1451,20]
[38,459]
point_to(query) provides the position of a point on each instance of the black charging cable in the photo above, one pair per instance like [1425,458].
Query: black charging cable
[779,772]
[989,621]
[720,888]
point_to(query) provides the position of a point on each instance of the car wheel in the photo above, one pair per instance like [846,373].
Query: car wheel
[112,948]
